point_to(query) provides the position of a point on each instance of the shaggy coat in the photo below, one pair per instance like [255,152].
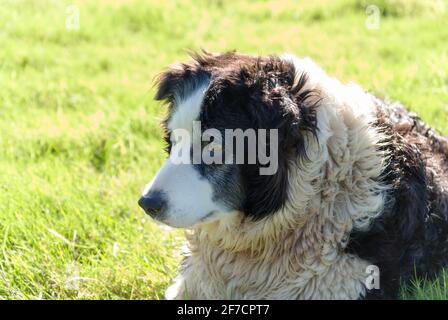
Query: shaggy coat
[360,182]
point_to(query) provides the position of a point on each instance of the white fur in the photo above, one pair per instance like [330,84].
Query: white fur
[187,110]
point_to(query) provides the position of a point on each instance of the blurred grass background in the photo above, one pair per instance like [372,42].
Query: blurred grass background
[79,132]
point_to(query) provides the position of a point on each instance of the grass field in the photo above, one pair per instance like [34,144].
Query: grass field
[79,131]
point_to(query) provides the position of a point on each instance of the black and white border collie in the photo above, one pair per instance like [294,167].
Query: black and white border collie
[360,182]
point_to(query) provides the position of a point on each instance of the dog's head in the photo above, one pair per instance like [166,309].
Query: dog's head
[234,123]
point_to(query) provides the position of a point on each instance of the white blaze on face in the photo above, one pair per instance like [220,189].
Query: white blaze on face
[189,196]
[187,110]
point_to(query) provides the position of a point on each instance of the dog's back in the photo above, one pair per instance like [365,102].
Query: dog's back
[411,237]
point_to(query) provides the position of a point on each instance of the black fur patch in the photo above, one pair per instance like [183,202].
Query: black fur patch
[262,95]
[410,238]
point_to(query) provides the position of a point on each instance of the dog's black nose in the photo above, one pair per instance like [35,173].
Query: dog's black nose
[153,203]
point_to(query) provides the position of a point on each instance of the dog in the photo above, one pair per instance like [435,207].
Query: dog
[357,205]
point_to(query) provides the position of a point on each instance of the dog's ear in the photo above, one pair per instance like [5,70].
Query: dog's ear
[182,78]
[168,81]
[286,106]
[179,80]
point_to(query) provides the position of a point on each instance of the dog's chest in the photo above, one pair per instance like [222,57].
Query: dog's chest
[221,275]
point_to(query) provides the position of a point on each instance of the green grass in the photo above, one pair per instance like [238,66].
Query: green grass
[80,132]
